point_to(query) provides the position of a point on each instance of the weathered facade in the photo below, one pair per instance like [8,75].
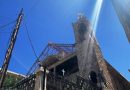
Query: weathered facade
[80,66]
[87,63]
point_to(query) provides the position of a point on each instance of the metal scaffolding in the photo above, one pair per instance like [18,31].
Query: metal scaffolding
[52,49]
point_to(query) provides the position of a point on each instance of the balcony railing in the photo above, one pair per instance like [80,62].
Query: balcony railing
[57,83]
[60,83]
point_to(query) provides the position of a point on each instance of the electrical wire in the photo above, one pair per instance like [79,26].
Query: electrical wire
[8,41]
[5,32]
[30,41]
[3,26]
[37,58]
[31,44]
[20,62]
[9,17]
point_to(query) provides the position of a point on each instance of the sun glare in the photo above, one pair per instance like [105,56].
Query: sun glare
[96,14]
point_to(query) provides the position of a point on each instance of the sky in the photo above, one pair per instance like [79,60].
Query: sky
[51,21]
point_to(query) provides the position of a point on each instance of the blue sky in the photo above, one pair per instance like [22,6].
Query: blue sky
[51,21]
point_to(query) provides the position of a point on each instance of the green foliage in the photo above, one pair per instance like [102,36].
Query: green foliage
[11,80]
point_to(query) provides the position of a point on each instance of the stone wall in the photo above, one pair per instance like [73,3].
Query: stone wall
[85,47]
[114,80]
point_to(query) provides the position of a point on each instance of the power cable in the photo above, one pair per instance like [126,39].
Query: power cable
[20,62]
[9,17]
[8,41]
[30,41]
[3,26]
[5,32]
[31,44]
[32,8]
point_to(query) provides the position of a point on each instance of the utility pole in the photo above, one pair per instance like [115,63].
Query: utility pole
[10,49]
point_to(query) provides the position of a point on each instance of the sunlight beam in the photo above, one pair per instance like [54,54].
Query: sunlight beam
[96,14]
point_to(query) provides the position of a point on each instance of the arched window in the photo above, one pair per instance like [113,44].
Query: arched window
[93,77]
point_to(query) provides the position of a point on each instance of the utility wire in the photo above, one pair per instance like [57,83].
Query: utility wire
[8,41]
[32,8]
[1,16]
[5,32]
[20,62]
[28,13]
[3,26]
[37,58]
[30,41]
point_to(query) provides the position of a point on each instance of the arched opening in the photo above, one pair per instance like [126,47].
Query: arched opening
[93,77]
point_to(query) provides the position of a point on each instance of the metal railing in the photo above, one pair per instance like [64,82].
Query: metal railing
[60,83]
[27,83]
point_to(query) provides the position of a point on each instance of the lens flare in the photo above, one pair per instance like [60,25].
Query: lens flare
[96,14]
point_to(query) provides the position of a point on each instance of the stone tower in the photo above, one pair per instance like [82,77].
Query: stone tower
[85,43]
[91,60]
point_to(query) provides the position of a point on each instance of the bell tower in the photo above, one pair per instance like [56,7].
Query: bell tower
[85,41]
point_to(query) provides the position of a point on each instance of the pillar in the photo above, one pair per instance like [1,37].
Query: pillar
[41,79]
